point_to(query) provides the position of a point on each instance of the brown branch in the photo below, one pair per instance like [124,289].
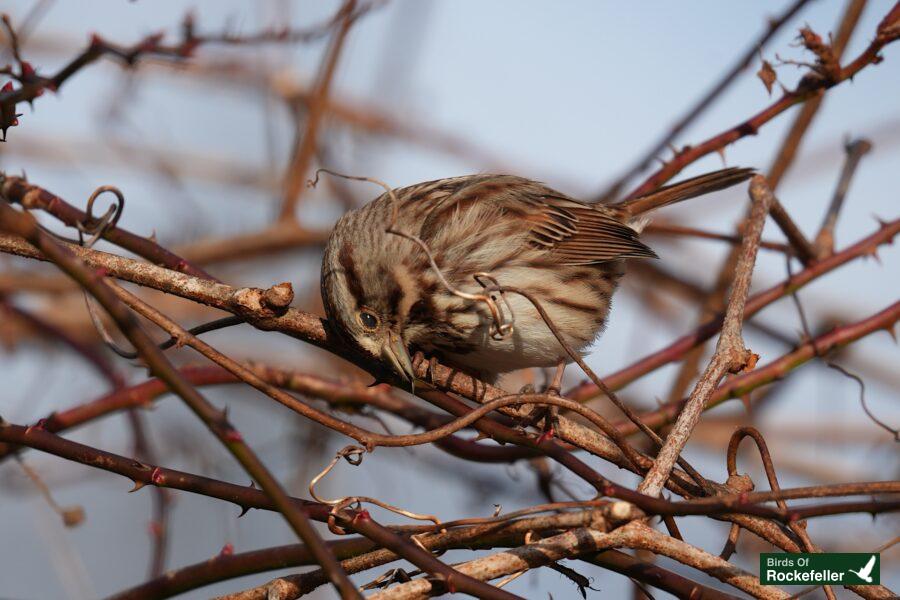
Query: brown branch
[306,144]
[278,237]
[32,197]
[772,27]
[660,228]
[855,150]
[25,226]
[588,540]
[283,35]
[802,248]
[730,356]
[33,85]
[445,578]
[888,31]
[654,575]
[674,351]
[224,567]
[741,385]
[142,474]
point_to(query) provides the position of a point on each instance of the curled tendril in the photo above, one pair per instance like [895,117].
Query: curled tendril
[95,227]
[354,455]
[503,329]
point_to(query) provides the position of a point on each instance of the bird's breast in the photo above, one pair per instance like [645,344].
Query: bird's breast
[575,298]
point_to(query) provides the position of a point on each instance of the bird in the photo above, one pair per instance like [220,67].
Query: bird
[410,272]
[866,572]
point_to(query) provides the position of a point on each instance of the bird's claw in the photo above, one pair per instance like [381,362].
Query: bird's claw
[550,417]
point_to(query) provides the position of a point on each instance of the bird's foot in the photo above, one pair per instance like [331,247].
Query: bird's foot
[547,416]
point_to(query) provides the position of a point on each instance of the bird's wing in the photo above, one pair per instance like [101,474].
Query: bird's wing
[866,570]
[577,233]
[570,231]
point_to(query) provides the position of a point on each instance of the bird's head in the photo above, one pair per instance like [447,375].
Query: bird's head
[367,292]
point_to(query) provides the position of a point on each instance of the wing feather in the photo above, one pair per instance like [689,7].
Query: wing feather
[571,232]
[587,234]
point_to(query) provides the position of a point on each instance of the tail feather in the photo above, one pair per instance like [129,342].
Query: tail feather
[683,190]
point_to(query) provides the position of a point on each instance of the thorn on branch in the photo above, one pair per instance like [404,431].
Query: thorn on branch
[767,75]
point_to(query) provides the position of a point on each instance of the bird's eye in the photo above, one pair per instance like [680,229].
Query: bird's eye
[368,320]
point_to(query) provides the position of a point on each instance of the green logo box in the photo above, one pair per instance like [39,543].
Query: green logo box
[848,568]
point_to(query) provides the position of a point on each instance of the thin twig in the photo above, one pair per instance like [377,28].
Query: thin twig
[855,150]
[306,144]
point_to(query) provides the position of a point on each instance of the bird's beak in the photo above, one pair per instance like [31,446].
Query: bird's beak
[394,352]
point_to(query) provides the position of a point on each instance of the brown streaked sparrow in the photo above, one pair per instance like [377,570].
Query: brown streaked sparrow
[382,294]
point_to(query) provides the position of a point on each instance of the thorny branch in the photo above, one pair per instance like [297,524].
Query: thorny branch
[588,530]
[248,303]
[772,27]
[675,350]
[218,424]
[811,86]
[32,84]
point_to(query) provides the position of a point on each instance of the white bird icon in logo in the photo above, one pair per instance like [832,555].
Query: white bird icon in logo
[865,572]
